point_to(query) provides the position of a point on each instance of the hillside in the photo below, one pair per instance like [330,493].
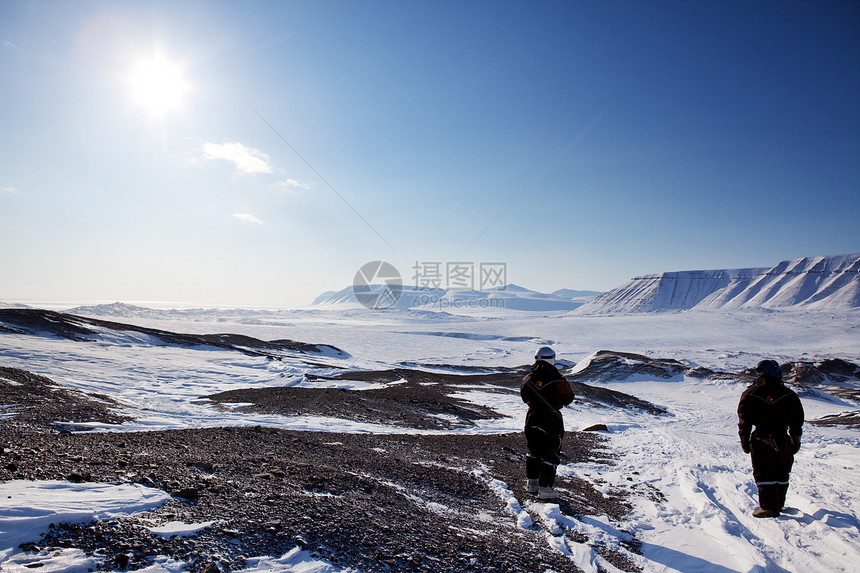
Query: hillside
[812,283]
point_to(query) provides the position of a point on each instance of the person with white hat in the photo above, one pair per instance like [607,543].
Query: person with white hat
[546,392]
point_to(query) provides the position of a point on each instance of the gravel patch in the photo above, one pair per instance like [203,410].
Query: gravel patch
[369,502]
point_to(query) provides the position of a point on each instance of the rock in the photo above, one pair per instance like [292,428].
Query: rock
[78,477]
[699,372]
[145,481]
[840,370]
[190,493]
[596,428]
[608,365]
[605,397]
[850,419]
[121,560]
[805,374]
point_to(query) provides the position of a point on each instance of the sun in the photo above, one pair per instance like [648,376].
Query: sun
[158,84]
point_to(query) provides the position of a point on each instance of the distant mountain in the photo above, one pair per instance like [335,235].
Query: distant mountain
[118,310]
[330,297]
[813,283]
[410,297]
[582,296]
[202,314]
[513,297]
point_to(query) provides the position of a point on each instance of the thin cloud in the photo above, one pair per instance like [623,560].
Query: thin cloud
[295,183]
[8,190]
[245,159]
[248,218]
[8,44]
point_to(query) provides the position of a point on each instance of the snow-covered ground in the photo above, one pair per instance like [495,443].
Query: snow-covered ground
[28,508]
[702,520]
[692,486]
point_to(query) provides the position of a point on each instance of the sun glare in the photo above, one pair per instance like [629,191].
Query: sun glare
[158,85]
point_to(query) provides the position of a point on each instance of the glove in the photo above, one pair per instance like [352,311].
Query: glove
[795,444]
[745,446]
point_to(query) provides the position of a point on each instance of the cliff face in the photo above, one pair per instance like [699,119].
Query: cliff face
[814,283]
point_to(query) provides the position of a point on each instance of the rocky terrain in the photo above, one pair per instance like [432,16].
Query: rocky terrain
[370,502]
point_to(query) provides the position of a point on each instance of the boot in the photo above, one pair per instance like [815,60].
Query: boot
[768,497]
[765,513]
[532,486]
[547,493]
[546,481]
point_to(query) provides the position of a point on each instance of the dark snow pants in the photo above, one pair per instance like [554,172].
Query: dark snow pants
[542,459]
[772,461]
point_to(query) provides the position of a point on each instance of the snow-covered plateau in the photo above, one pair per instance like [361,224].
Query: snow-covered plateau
[812,283]
[688,484]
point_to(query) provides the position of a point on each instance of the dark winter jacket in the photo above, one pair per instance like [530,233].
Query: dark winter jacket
[773,409]
[546,392]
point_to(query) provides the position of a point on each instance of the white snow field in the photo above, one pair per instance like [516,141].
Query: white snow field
[690,484]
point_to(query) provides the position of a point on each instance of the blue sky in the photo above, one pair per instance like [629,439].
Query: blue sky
[275,147]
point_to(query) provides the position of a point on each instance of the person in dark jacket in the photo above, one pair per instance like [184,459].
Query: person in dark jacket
[777,414]
[546,392]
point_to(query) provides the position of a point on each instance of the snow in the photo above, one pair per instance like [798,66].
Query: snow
[690,484]
[511,297]
[28,508]
[704,521]
[179,528]
[295,561]
[53,561]
[818,283]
